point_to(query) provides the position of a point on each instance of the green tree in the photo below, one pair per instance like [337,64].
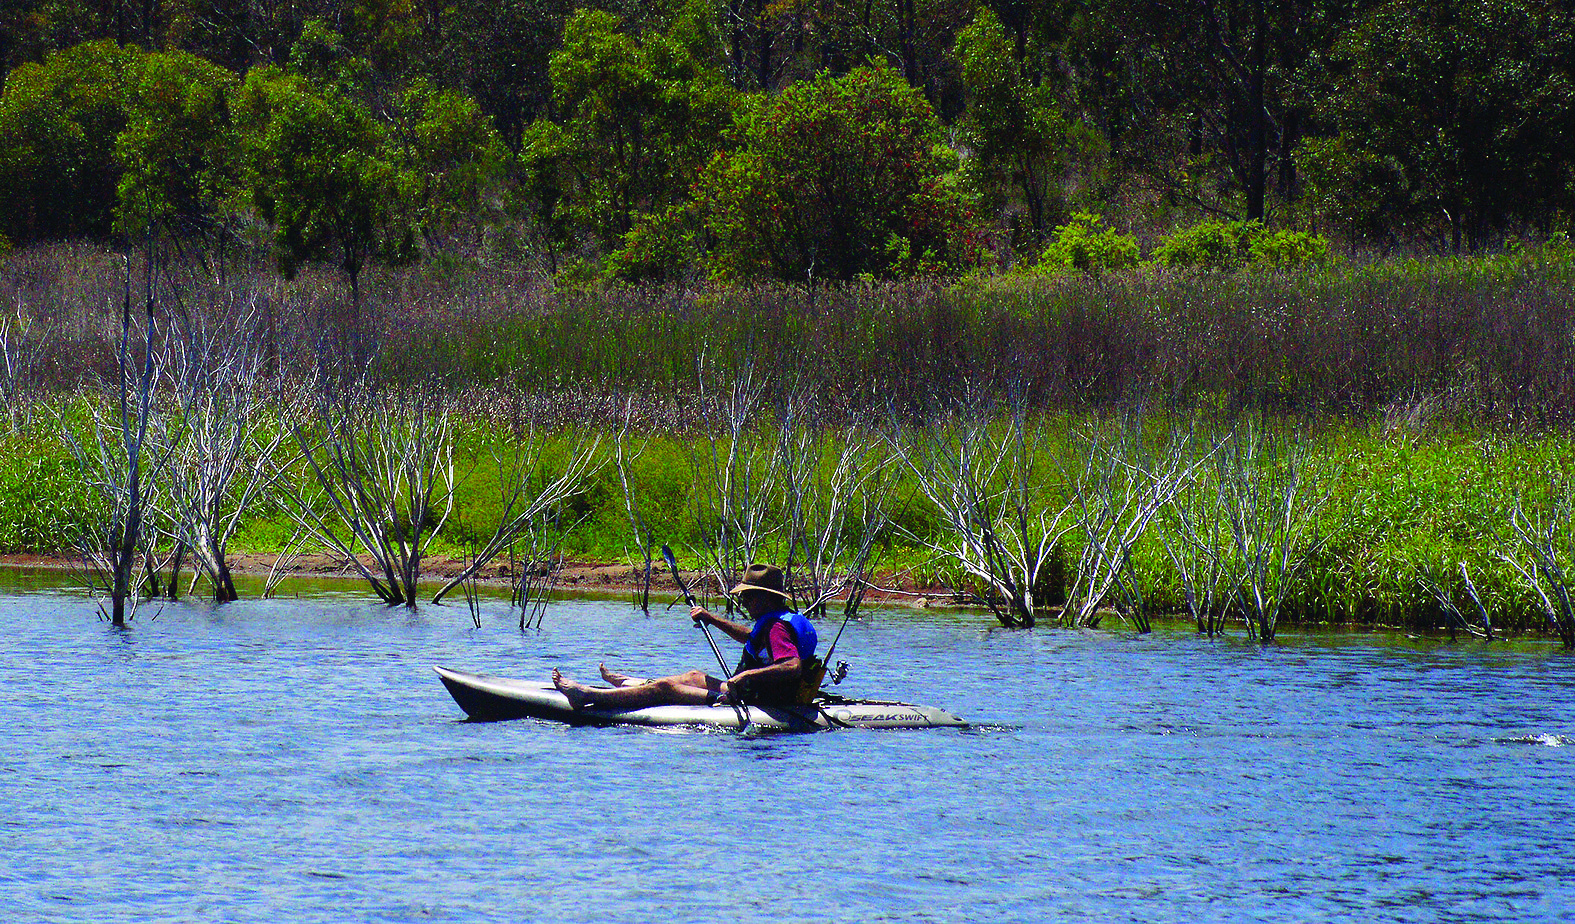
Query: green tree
[315,163]
[541,183]
[384,32]
[102,137]
[640,118]
[1455,115]
[348,170]
[837,177]
[1015,127]
[175,151]
[58,123]
[449,157]
[1204,100]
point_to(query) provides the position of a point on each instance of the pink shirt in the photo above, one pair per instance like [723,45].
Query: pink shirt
[779,643]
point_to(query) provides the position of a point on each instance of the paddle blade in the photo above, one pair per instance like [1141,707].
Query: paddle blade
[672,565]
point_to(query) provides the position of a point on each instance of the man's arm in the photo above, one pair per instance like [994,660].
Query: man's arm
[784,671]
[732,630]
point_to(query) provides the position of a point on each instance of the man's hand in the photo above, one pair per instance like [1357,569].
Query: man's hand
[701,615]
[733,690]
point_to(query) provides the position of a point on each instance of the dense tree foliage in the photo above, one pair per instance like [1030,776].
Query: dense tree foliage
[639,117]
[346,171]
[653,140]
[58,125]
[1458,113]
[836,177]
[175,152]
[317,171]
[1019,136]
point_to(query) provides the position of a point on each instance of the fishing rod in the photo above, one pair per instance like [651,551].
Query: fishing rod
[841,670]
[689,597]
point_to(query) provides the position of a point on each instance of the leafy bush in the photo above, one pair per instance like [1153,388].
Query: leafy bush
[1220,244]
[1288,248]
[659,248]
[837,177]
[1554,252]
[1086,244]
[1213,244]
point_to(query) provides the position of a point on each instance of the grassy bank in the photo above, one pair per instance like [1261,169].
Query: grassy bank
[1404,509]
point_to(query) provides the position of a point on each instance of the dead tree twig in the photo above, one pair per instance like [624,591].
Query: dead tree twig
[738,480]
[1547,543]
[379,480]
[834,486]
[227,442]
[1121,488]
[122,459]
[1269,499]
[532,483]
[1000,519]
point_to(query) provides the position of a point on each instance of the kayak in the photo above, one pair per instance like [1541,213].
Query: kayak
[488,699]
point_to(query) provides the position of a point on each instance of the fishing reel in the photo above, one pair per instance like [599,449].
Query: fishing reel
[839,672]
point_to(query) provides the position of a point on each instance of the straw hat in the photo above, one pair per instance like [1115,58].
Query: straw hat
[762,577]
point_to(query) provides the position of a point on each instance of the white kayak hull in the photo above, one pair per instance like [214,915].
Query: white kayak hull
[485,698]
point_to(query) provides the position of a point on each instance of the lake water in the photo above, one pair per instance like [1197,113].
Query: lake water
[296,760]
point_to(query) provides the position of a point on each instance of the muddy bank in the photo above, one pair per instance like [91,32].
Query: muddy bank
[896,588]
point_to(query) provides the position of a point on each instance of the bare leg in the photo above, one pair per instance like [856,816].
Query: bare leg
[620,680]
[692,689]
[576,693]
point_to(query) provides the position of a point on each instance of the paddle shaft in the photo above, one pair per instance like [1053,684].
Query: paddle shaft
[672,564]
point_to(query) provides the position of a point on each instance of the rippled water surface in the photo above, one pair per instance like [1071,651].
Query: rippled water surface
[297,760]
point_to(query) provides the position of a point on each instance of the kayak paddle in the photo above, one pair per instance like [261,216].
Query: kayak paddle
[689,597]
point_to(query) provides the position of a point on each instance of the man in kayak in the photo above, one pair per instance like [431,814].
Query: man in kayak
[777,649]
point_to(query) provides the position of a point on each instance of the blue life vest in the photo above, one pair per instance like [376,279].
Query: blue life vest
[756,649]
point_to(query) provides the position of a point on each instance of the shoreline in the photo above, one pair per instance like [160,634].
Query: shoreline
[594,577]
[607,579]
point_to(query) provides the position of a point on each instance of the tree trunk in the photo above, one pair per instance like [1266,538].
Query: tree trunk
[1290,135]
[1033,196]
[1258,133]
[910,64]
[224,590]
[125,555]
[764,39]
[180,559]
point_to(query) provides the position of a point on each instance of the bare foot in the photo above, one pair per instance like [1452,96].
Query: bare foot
[615,678]
[578,695]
